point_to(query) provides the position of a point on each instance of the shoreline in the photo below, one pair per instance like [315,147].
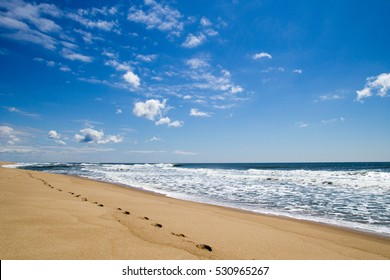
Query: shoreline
[281,216]
[157,226]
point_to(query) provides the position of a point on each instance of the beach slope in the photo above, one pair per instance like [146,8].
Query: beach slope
[48,216]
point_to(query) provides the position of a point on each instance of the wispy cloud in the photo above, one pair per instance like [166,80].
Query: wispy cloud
[301,124]
[30,22]
[145,152]
[21,112]
[297,71]
[69,54]
[184,153]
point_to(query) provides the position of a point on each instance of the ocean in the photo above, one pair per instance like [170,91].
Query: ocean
[352,195]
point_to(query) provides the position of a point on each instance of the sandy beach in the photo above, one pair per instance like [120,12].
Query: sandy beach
[47,216]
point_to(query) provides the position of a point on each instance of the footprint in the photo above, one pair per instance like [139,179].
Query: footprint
[100,205]
[85,199]
[178,234]
[145,218]
[157,225]
[126,212]
[119,208]
[204,247]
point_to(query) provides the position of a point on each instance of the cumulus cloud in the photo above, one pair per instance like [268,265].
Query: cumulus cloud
[8,134]
[379,84]
[153,109]
[167,121]
[196,113]
[52,134]
[150,109]
[261,55]
[193,41]
[132,79]
[91,136]
[157,16]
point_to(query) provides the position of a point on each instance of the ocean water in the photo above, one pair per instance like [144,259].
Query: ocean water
[352,195]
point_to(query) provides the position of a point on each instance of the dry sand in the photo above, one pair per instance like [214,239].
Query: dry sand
[47,216]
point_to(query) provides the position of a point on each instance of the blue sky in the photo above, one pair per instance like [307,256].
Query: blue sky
[194,81]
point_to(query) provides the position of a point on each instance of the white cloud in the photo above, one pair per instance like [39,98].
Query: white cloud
[297,71]
[205,21]
[193,41]
[184,153]
[118,111]
[236,89]
[302,124]
[132,79]
[91,136]
[169,122]
[330,97]
[157,16]
[144,152]
[28,22]
[176,124]
[162,121]
[65,68]
[21,112]
[261,55]
[8,134]
[273,69]
[196,63]
[52,134]
[119,66]
[146,58]
[87,18]
[149,109]
[196,113]
[380,84]
[153,139]
[335,120]
[69,54]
